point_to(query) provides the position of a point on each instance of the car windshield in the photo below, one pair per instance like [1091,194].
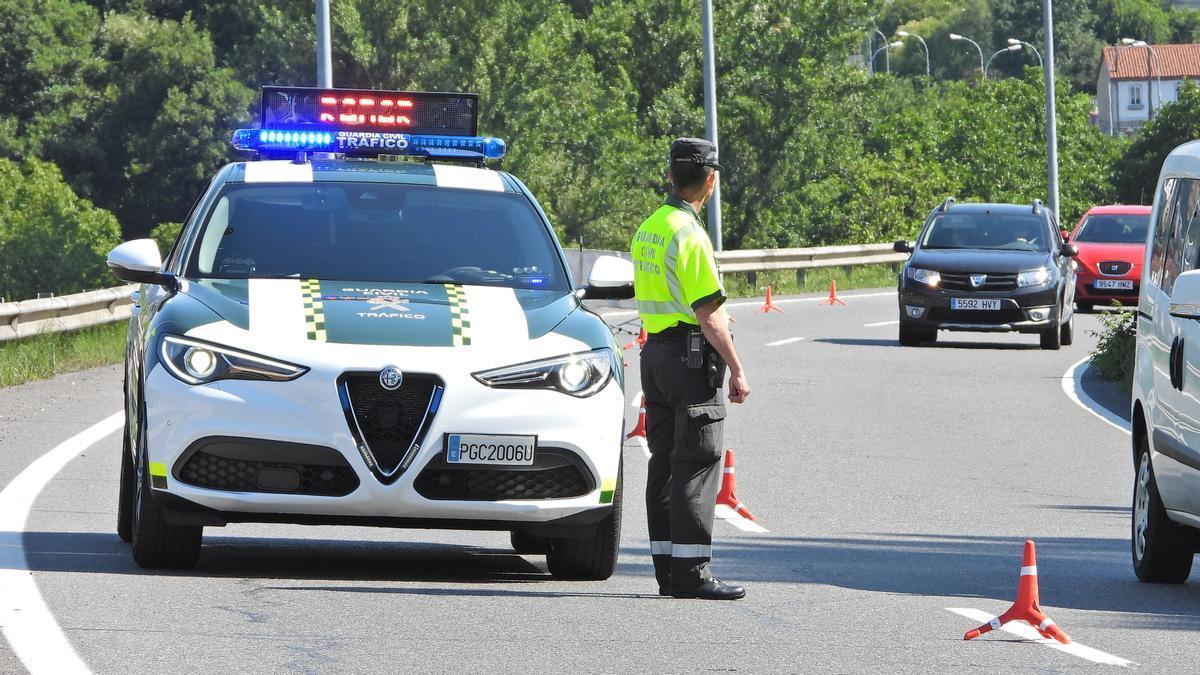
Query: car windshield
[376,232]
[986,230]
[1114,228]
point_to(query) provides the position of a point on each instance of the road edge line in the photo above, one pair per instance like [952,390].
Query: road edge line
[25,621]
[1072,385]
[1029,633]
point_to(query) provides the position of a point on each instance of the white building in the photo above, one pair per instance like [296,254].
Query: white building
[1134,82]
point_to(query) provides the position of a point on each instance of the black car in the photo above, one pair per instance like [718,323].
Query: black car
[988,268]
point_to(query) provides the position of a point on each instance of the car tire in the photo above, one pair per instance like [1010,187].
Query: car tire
[594,556]
[1085,307]
[156,543]
[1052,337]
[1067,332]
[1162,548]
[125,495]
[912,336]
[523,542]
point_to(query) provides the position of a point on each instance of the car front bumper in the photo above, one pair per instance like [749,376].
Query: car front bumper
[926,307]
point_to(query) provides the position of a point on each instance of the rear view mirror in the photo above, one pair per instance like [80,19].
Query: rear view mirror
[139,262]
[902,247]
[1185,296]
[611,278]
[1070,250]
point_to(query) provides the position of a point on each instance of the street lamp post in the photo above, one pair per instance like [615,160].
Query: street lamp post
[324,59]
[887,55]
[886,49]
[1010,48]
[956,37]
[1051,116]
[1014,41]
[710,121]
[1150,74]
[904,33]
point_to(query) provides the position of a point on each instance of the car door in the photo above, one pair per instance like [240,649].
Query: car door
[1169,259]
[1066,268]
[1182,473]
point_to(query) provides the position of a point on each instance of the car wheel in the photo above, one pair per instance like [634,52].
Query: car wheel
[523,542]
[1067,332]
[1162,548]
[912,336]
[594,556]
[1085,307]
[1052,337]
[125,495]
[157,543]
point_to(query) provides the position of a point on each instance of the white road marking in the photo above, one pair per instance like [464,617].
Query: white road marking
[759,303]
[786,341]
[744,524]
[1026,631]
[881,323]
[25,620]
[637,400]
[1072,385]
[641,443]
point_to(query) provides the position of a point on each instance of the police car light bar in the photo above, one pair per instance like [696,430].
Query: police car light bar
[368,123]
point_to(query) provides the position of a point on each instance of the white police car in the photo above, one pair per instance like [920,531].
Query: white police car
[367,342]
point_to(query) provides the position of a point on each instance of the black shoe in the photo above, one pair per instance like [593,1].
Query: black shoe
[713,589]
[664,591]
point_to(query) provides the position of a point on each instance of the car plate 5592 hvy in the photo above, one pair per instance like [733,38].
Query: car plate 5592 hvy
[975,303]
[490,449]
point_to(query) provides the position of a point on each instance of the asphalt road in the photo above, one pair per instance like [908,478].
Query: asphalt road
[894,482]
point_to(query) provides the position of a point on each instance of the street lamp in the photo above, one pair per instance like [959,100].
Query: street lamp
[887,55]
[886,49]
[1014,41]
[1130,42]
[956,37]
[904,33]
[1010,48]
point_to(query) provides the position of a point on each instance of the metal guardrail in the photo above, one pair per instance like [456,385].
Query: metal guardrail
[93,308]
[763,260]
[64,313]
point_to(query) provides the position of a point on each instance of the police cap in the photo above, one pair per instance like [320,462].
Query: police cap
[696,151]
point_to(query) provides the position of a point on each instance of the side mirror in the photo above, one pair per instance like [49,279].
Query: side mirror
[1185,296]
[611,278]
[902,247]
[138,261]
[1066,236]
[1070,250]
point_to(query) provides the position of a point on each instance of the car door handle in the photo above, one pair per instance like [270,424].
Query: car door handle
[1175,364]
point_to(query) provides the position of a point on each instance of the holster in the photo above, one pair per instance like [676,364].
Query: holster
[699,354]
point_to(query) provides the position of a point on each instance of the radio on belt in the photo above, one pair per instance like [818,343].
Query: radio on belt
[368,123]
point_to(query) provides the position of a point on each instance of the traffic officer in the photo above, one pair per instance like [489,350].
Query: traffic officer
[679,297]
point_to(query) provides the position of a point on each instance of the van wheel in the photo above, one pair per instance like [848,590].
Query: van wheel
[1067,332]
[1162,548]
[1052,338]
[594,556]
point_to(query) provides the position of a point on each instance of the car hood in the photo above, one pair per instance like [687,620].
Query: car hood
[979,261]
[1091,253]
[379,313]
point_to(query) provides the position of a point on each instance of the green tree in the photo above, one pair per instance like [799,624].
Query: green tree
[50,239]
[1136,173]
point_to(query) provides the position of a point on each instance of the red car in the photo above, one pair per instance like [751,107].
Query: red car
[1111,241]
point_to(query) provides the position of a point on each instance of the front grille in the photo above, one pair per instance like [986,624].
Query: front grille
[554,475]
[1115,268]
[389,425]
[222,473]
[976,316]
[954,281]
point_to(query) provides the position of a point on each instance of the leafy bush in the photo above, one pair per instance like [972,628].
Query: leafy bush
[1116,345]
[165,235]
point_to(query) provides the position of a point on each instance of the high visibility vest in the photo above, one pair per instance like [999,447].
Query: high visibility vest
[674,268]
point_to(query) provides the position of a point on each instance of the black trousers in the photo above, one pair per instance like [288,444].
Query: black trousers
[683,429]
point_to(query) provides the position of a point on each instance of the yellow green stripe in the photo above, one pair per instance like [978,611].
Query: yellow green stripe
[158,475]
[314,309]
[608,488]
[460,316]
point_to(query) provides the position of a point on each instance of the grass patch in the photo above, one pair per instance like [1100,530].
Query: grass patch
[44,356]
[1115,346]
[791,282]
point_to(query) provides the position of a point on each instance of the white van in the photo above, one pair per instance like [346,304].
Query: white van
[1166,407]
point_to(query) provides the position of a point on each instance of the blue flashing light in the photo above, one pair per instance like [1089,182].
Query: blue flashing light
[367,144]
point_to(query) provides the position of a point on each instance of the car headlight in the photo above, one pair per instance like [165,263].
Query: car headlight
[927,277]
[196,362]
[579,375]
[1033,277]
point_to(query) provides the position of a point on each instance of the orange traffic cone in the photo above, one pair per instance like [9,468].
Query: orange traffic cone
[768,306]
[728,484]
[640,341]
[833,298]
[1026,607]
[639,430]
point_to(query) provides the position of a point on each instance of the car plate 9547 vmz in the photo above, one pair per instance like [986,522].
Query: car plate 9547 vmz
[975,303]
[490,449]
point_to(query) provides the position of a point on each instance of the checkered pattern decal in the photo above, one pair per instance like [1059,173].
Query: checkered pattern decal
[460,317]
[314,309]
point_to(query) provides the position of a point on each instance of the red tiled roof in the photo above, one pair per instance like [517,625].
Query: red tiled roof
[1174,62]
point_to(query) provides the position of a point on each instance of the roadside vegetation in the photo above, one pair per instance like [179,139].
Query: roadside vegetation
[787,282]
[1115,346]
[44,356]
